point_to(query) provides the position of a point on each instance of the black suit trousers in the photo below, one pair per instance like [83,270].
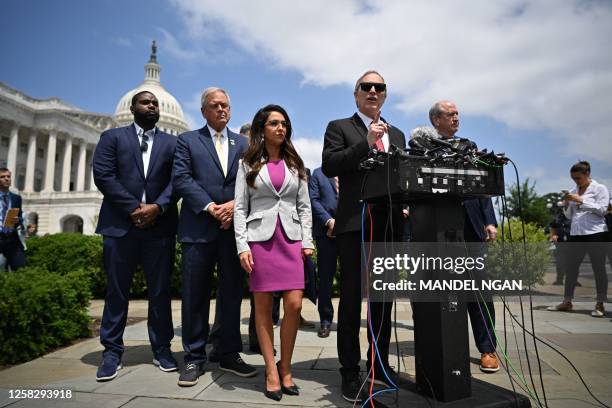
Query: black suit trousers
[349,308]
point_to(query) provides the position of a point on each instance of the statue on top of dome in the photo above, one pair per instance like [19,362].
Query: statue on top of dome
[153,52]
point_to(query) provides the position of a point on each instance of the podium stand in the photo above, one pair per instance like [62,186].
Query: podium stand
[440,328]
[441,339]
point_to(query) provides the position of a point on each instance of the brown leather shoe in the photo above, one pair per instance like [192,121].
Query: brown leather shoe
[488,363]
[565,306]
[324,330]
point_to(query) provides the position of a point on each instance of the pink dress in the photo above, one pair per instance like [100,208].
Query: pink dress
[278,261]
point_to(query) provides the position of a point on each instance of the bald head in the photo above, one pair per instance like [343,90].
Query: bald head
[444,116]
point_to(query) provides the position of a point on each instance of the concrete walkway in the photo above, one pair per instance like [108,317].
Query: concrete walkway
[586,341]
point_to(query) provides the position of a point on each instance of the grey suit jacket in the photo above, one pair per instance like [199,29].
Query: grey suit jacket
[256,209]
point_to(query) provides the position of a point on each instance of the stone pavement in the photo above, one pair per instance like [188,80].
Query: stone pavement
[586,341]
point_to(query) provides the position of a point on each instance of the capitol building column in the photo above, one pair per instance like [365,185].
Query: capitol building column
[50,167]
[31,163]
[81,166]
[92,184]
[67,164]
[11,160]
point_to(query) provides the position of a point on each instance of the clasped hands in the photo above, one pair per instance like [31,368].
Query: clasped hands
[224,213]
[145,215]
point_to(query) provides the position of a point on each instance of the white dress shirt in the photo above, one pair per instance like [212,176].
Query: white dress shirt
[588,218]
[146,156]
[223,155]
[367,121]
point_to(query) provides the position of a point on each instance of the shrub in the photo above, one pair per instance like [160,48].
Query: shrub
[68,252]
[40,310]
[513,260]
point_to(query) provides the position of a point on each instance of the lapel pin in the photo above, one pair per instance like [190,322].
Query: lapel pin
[231,141]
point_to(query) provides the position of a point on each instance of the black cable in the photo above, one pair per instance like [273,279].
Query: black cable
[535,343]
[586,386]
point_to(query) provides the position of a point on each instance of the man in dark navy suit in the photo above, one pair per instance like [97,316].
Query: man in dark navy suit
[10,243]
[132,167]
[324,200]
[205,167]
[480,226]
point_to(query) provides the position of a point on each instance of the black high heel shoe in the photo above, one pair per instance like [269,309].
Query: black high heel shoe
[292,389]
[275,395]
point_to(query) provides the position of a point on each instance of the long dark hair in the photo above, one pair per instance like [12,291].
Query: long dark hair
[256,155]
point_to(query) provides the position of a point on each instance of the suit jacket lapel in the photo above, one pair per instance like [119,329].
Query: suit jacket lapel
[265,178]
[359,126]
[289,175]
[332,183]
[135,146]
[206,139]
[232,149]
[157,147]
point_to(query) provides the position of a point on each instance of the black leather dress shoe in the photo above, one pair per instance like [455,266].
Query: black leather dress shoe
[324,330]
[291,390]
[274,395]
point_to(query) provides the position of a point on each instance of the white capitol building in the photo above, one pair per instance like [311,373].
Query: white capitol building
[48,145]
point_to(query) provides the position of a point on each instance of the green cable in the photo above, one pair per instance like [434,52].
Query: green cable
[529,391]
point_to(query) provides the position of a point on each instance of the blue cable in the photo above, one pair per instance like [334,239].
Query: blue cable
[375,394]
[395,387]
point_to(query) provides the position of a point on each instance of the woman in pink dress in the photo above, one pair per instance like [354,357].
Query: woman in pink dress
[273,227]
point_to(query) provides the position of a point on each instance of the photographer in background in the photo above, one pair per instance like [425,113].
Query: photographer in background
[586,206]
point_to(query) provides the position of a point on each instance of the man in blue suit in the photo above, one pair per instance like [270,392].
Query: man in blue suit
[324,200]
[205,167]
[132,168]
[480,226]
[10,244]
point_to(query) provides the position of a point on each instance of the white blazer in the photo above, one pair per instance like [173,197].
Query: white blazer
[256,209]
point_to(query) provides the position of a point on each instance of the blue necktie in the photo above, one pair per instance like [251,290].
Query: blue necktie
[5,205]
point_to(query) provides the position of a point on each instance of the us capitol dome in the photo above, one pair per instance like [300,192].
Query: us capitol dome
[171,118]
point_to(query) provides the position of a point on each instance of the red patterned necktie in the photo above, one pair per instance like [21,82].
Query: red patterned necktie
[379,143]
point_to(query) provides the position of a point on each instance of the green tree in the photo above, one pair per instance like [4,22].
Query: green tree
[533,207]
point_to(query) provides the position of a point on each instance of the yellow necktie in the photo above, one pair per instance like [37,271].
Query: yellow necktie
[219,148]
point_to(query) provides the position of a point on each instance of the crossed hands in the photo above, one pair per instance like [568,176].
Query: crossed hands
[145,215]
[223,212]
[246,258]
[377,130]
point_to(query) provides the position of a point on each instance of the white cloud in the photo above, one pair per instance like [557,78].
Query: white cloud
[529,64]
[309,150]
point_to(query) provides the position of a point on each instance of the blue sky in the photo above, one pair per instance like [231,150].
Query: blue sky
[531,79]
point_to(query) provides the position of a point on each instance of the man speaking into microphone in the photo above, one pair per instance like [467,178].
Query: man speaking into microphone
[347,143]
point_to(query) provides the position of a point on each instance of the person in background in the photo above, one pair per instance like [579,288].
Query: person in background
[11,246]
[272,221]
[480,226]
[586,206]
[324,199]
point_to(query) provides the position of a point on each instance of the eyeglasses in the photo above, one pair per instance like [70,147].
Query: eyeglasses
[275,123]
[378,87]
